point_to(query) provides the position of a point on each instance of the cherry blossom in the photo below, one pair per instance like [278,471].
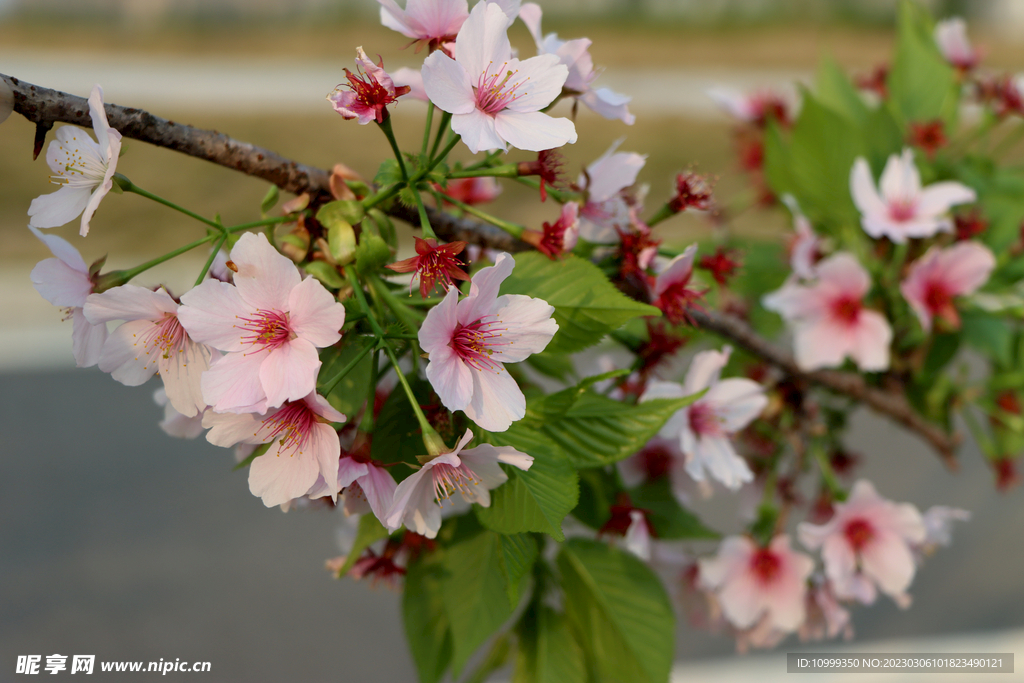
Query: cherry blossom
[805,245]
[829,320]
[174,423]
[472,191]
[433,263]
[703,429]
[951,37]
[494,98]
[366,95]
[868,543]
[826,618]
[469,341]
[66,281]
[692,191]
[575,55]
[85,170]
[559,237]
[935,279]
[412,79]
[721,265]
[435,22]
[900,208]
[754,108]
[471,473]
[754,583]
[151,340]
[547,166]
[303,446]
[605,210]
[269,323]
[671,290]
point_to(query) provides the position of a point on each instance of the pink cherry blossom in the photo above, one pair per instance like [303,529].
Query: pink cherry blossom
[366,95]
[754,583]
[939,276]
[868,543]
[433,21]
[951,37]
[828,317]
[755,108]
[805,245]
[174,423]
[703,429]
[469,342]
[412,79]
[900,208]
[151,340]
[559,237]
[494,98]
[472,191]
[671,290]
[606,212]
[368,487]
[85,170]
[663,458]
[303,446]
[826,618]
[65,281]
[269,324]
[575,55]
[471,474]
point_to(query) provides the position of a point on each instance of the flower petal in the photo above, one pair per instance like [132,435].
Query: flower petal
[439,327]
[129,302]
[279,477]
[540,81]
[86,340]
[288,373]
[483,290]
[314,314]
[482,42]
[182,376]
[477,131]
[451,378]
[60,207]
[265,277]
[128,356]
[447,84]
[210,314]
[527,327]
[497,400]
[534,131]
[232,384]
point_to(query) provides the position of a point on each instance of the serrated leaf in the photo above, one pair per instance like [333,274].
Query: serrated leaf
[599,489]
[556,365]
[596,430]
[370,531]
[385,228]
[474,594]
[372,253]
[534,500]
[670,520]
[325,273]
[518,553]
[587,305]
[619,611]
[548,652]
[427,629]
[388,173]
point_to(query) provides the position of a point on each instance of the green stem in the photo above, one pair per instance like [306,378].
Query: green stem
[125,275]
[129,186]
[663,213]
[445,120]
[559,195]
[486,161]
[259,224]
[428,232]
[327,388]
[414,337]
[392,190]
[828,475]
[209,261]
[511,228]
[431,439]
[503,171]
[426,129]
[389,133]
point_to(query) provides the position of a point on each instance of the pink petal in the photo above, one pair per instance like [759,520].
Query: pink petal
[938,198]
[483,289]
[541,79]
[126,359]
[60,207]
[888,561]
[534,131]
[288,373]
[900,178]
[447,84]
[497,400]
[451,378]
[676,271]
[528,327]
[477,131]
[228,429]
[843,274]
[129,302]
[379,487]
[210,313]
[873,337]
[483,460]
[482,43]
[969,266]
[278,478]
[609,104]
[314,314]
[414,505]
[393,16]
[717,455]
[265,277]
[63,250]
[865,194]
[319,405]
[821,344]
[738,402]
[349,470]
[612,172]
[704,369]
[232,384]
[86,340]
[99,120]
[439,327]
[324,446]
[531,14]
[182,376]
[414,79]
[105,186]
[60,284]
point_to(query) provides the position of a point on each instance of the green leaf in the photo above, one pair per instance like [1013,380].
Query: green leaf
[370,531]
[538,499]
[943,348]
[599,488]
[922,85]
[596,430]
[587,305]
[670,520]
[835,91]
[372,253]
[388,173]
[556,365]
[385,228]
[325,273]
[427,629]
[397,436]
[341,240]
[991,336]
[474,594]
[270,199]
[350,394]
[518,553]
[620,612]
[548,652]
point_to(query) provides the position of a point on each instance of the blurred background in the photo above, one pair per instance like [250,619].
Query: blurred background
[119,541]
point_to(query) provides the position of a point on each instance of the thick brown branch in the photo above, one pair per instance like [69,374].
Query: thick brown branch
[889,403]
[44,107]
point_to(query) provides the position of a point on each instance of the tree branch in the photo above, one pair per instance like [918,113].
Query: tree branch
[44,107]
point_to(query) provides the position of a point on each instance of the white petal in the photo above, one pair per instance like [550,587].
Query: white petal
[129,302]
[182,376]
[483,289]
[128,356]
[265,277]
[60,207]
[63,250]
[60,284]
[534,131]
[540,80]
[437,330]
[900,178]
[609,104]
[497,400]
[228,429]
[477,131]
[232,384]
[939,198]
[531,14]
[738,401]
[482,42]
[278,477]
[527,327]
[862,187]
[704,369]
[86,340]
[451,378]
[447,84]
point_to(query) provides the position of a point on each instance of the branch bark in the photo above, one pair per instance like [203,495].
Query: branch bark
[44,107]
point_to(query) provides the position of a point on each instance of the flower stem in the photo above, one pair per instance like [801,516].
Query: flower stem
[129,186]
[663,213]
[209,261]
[445,120]
[428,232]
[511,228]
[327,388]
[559,195]
[431,439]
[426,129]
[389,133]
[828,475]
[503,171]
